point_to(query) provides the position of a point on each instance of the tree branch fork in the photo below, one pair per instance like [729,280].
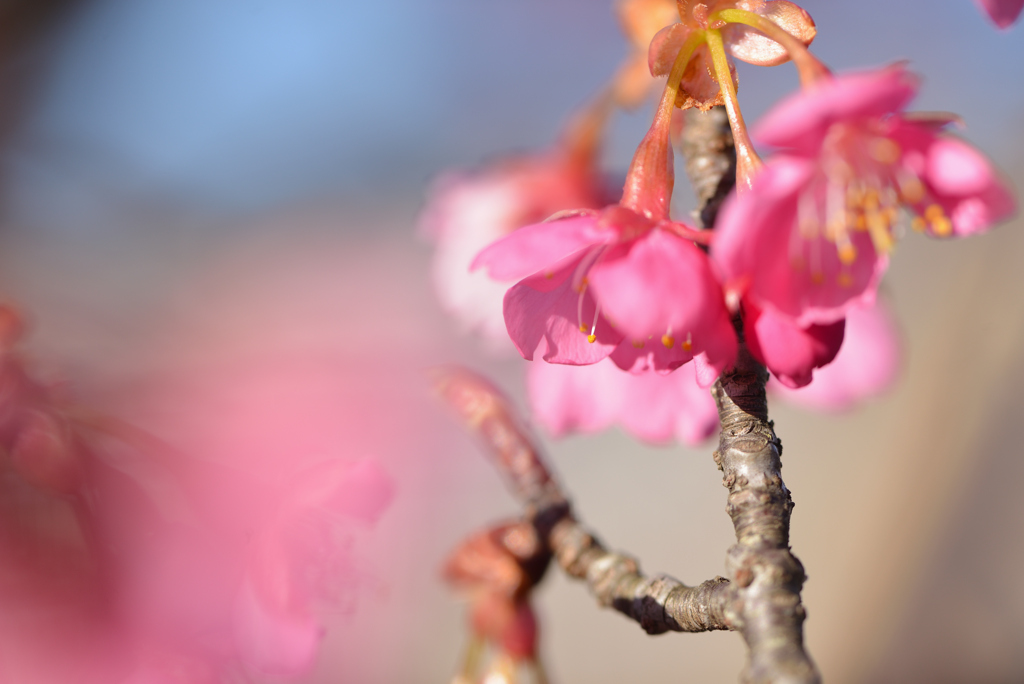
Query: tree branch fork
[760,599]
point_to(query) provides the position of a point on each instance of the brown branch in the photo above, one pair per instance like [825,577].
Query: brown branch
[764,596]
[660,604]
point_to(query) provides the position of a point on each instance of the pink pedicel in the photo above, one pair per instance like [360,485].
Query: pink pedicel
[811,237]
[652,407]
[866,366]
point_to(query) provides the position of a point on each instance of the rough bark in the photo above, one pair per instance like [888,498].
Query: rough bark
[659,604]
[764,596]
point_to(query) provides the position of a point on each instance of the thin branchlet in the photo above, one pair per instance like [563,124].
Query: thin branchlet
[659,604]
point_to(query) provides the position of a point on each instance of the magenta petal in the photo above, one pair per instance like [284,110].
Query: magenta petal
[652,407]
[662,285]
[753,251]
[533,248]
[360,490]
[973,193]
[720,349]
[749,223]
[1002,12]
[649,355]
[656,408]
[274,642]
[543,317]
[566,399]
[867,364]
[790,352]
[799,123]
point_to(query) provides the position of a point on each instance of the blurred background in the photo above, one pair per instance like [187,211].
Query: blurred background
[207,211]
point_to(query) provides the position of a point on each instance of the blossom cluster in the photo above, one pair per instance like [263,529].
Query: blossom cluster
[794,261]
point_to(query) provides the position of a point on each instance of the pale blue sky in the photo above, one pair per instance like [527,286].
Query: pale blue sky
[226,106]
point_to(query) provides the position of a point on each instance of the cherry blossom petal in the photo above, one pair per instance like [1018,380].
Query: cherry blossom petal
[753,248]
[750,45]
[568,399]
[790,352]
[652,407]
[662,285]
[957,176]
[644,356]
[533,248]
[1002,12]
[720,348]
[275,642]
[543,316]
[866,366]
[799,123]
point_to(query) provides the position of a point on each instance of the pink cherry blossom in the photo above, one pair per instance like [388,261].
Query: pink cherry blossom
[625,282]
[652,407]
[1002,12]
[467,212]
[811,237]
[866,366]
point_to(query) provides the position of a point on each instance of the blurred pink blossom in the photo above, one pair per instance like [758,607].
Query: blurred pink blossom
[652,407]
[467,212]
[866,366]
[220,543]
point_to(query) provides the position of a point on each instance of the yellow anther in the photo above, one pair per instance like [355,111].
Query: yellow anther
[918,224]
[549,274]
[668,341]
[583,328]
[870,201]
[639,344]
[880,236]
[585,281]
[912,189]
[591,337]
[836,227]
[861,223]
[885,151]
[844,279]
[817,277]
[937,219]
[942,227]
[847,253]
[687,345]
[853,196]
